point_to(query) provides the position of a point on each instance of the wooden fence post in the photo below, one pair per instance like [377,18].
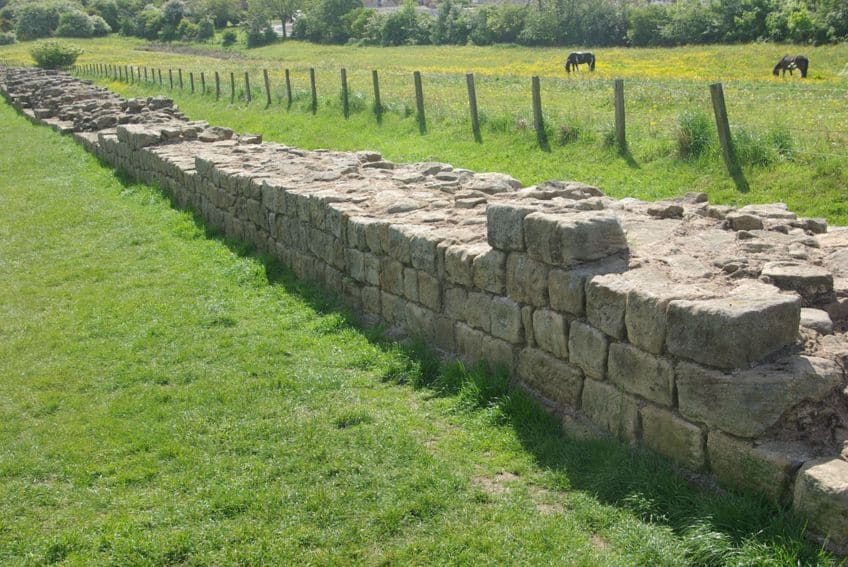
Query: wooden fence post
[378,105]
[171,78]
[191,81]
[345,102]
[314,90]
[180,73]
[217,86]
[288,90]
[202,83]
[472,106]
[724,138]
[126,73]
[538,120]
[247,96]
[145,74]
[159,72]
[620,135]
[419,102]
[267,86]
[232,88]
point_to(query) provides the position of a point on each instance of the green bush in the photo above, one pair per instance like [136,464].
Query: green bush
[187,31]
[75,24]
[7,38]
[35,21]
[54,55]
[205,30]
[100,26]
[694,134]
[228,38]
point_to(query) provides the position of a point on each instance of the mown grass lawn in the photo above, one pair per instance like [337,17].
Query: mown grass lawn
[167,398]
[792,134]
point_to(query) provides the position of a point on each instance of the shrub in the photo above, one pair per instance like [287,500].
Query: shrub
[187,31]
[694,133]
[54,55]
[75,24]
[205,30]
[108,10]
[35,21]
[751,148]
[228,38]
[7,38]
[100,26]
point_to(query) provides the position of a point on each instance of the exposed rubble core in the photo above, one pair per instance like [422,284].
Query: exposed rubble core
[713,335]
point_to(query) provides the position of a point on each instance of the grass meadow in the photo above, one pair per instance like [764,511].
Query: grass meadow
[169,398]
[791,134]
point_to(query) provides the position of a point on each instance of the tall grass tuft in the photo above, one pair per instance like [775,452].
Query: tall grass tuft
[694,134]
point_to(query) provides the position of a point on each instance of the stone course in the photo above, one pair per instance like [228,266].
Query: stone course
[676,326]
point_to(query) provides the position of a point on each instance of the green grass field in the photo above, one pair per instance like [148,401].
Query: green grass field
[792,134]
[166,398]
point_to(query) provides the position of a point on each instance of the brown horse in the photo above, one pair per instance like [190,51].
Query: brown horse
[790,63]
[577,58]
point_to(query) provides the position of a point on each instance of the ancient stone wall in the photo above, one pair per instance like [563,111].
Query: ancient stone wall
[712,335]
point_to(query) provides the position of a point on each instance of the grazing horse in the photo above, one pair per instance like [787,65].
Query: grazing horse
[578,58]
[790,63]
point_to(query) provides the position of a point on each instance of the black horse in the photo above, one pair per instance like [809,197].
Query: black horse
[790,63]
[578,58]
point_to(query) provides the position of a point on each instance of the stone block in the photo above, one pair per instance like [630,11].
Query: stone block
[567,290]
[527,322]
[456,303]
[410,284]
[587,348]
[551,377]
[478,310]
[444,338]
[505,226]
[498,354]
[371,268]
[526,280]
[818,320]
[489,271]
[356,233]
[646,314]
[506,320]
[377,236]
[429,291]
[813,283]
[821,495]
[393,309]
[747,403]
[641,373]
[673,437]
[469,343]
[420,321]
[606,303]
[766,468]
[459,260]
[550,332]
[425,252]
[391,276]
[611,409]
[400,243]
[355,264]
[569,239]
[732,331]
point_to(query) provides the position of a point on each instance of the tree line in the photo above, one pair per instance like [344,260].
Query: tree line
[539,22]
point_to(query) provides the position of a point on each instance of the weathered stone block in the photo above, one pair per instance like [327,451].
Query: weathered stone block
[506,320]
[394,309]
[424,251]
[766,469]
[550,332]
[641,373]
[821,495]
[733,331]
[458,263]
[429,291]
[673,437]
[587,348]
[489,270]
[747,403]
[456,303]
[551,377]
[444,338]
[499,354]
[568,239]
[527,323]
[400,243]
[469,343]
[391,276]
[478,310]
[611,409]
[526,280]
[606,302]
[646,313]
[567,290]
[505,226]
[377,236]
[420,322]
[410,284]
[813,283]
[355,264]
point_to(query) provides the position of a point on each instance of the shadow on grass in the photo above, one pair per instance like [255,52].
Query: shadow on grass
[715,527]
